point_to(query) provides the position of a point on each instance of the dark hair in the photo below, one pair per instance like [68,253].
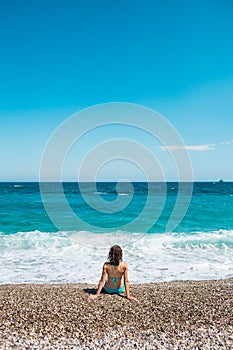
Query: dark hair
[115,255]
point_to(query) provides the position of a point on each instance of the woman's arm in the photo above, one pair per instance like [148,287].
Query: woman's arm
[126,282]
[100,285]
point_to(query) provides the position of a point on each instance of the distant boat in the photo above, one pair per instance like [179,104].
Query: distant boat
[221,180]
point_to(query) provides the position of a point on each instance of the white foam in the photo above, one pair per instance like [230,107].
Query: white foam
[40,257]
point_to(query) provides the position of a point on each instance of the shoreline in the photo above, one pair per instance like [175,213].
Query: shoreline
[184,314]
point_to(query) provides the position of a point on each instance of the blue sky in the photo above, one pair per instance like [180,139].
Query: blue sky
[58,57]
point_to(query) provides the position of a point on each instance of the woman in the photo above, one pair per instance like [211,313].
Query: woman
[114,270]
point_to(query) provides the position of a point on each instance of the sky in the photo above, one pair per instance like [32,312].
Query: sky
[59,57]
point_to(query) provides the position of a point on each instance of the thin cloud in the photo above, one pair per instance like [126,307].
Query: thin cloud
[226,142]
[207,147]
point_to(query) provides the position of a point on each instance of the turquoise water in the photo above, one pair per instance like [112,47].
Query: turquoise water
[51,246]
[22,209]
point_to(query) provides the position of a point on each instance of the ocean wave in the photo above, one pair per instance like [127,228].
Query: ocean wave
[32,240]
[62,257]
[112,192]
[36,239]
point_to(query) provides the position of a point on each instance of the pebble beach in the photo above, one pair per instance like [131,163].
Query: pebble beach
[169,315]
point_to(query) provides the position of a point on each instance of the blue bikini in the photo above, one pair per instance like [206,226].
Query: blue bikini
[116,290]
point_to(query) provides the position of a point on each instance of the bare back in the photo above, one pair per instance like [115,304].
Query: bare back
[115,274]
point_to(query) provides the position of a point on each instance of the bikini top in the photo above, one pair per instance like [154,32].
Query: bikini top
[114,279]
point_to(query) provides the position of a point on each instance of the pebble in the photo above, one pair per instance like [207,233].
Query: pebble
[170,315]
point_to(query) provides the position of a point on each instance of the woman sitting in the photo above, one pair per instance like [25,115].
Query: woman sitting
[114,271]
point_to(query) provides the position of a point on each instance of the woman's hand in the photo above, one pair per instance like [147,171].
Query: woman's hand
[133,299]
[92,297]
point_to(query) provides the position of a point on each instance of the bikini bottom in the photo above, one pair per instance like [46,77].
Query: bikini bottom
[114,291]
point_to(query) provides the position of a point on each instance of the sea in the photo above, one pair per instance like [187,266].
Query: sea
[62,232]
